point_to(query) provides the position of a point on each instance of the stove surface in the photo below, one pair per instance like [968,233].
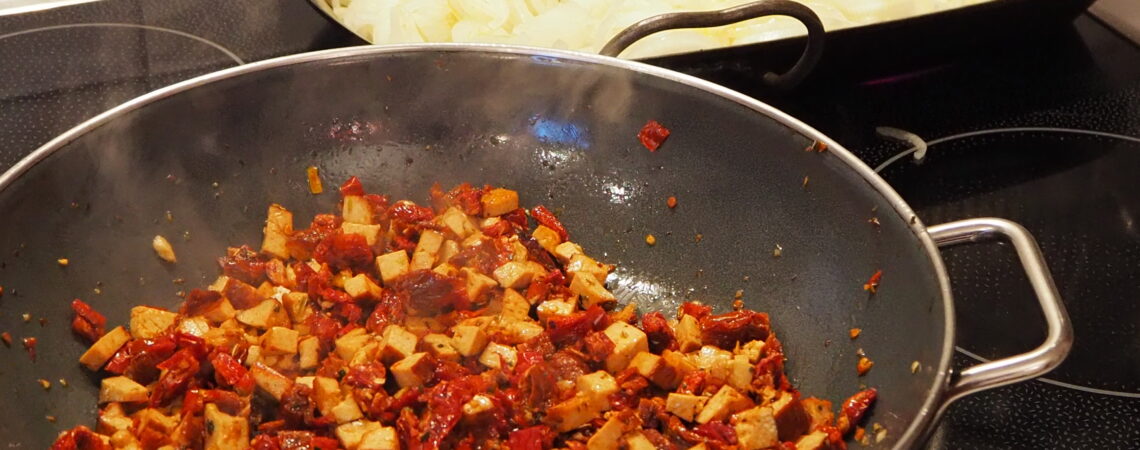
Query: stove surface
[1043,132]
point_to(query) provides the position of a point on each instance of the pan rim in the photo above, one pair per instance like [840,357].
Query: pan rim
[914,433]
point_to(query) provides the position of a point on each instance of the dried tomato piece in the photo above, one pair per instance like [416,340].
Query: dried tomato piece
[344,251]
[573,328]
[390,309]
[367,376]
[199,301]
[177,373]
[410,214]
[244,264]
[139,358]
[717,432]
[660,334]
[352,186]
[652,135]
[324,443]
[241,295]
[79,438]
[598,346]
[264,442]
[296,408]
[697,310]
[429,292]
[467,198]
[228,371]
[538,437]
[547,219]
[303,242]
[728,329]
[87,323]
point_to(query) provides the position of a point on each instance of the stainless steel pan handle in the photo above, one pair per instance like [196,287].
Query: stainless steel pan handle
[812,52]
[1059,339]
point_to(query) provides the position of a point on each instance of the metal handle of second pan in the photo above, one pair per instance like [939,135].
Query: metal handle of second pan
[705,19]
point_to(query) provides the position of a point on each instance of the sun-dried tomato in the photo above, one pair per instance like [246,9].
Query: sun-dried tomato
[324,443]
[598,346]
[367,376]
[324,328]
[230,372]
[87,323]
[652,135]
[345,251]
[486,256]
[296,440]
[264,442]
[445,401]
[732,328]
[659,333]
[716,432]
[573,328]
[139,358]
[380,205]
[499,228]
[352,186]
[408,427]
[390,309]
[311,281]
[79,438]
[547,219]
[244,264]
[467,198]
[296,406]
[303,242]
[430,292]
[538,437]
[697,310]
[535,252]
[693,382]
[199,301]
[177,373]
[241,295]
[410,214]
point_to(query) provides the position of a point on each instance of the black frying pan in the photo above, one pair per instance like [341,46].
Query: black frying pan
[558,127]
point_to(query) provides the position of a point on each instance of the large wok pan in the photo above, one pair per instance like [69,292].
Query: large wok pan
[560,128]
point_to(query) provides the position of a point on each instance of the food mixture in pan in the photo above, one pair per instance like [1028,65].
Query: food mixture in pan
[455,325]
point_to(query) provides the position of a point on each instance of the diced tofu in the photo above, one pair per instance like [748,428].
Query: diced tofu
[225,432]
[555,308]
[446,269]
[637,441]
[113,419]
[439,346]
[194,326]
[477,284]
[518,250]
[608,436]
[305,381]
[351,342]
[546,237]
[499,356]
[413,371]
[688,333]
[685,406]
[220,312]
[478,405]
[753,350]
[429,244]
[264,315]
[351,434]
[592,291]
[422,325]
[326,394]
[448,249]
[346,410]
[518,275]
[122,390]
[566,250]
[397,343]
[383,438]
[297,306]
[468,340]
[571,414]
[597,387]
[713,360]
[309,352]
[515,306]
[279,341]
[457,222]
[628,341]
[791,418]
[278,228]
[362,287]
[356,209]
[104,348]
[392,266]
[580,263]
[678,362]
[521,331]
[270,381]
[816,440]
[755,428]
[499,201]
[819,411]
[371,233]
[739,373]
[724,403]
[654,368]
[148,322]
[154,420]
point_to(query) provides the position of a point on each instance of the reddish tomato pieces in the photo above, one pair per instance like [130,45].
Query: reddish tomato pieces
[652,135]
[230,372]
[30,347]
[177,373]
[80,438]
[547,219]
[429,292]
[697,310]
[199,301]
[538,437]
[243,263]
[344,251]
[87,323]
[564,330]
[728,329]
[659,333]
[303,242]
[352,186]
[872,285]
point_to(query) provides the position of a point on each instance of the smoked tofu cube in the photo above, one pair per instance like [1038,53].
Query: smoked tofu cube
[392,266]
[468,340]
[518,275]
[383,438]
[478,405]
[499,201]
[113,419]
[446,269]
[581,263]
[753,350]
[297,306]
[270,381]
[597,387]
[638,441]
[194,326]
[755,428]
[499,356]
[816,440]
[457,222]
[724,403]
[792,419]
[351,434]
[688,333]
[326,394]
[713,360]
[104,348]
[356,209]
[571,414]
[522,331]
[220,312]
[397,343]
[279,341]
[346,410]
[148,322]
[739,373]
[653,367]
[608,436]
[430,243]
[678,362]
[362,287]
[309,352]
[448,249]
[439,346]
[546,237]
[685,406]
[121,390]
[422,325]
[515,306]
[351,342]
[413,371]
[628,342]
[477,284]
[592,291]
[566,250]
[555,308]
[278,228]
[371,233]
[225,432]
[264,315]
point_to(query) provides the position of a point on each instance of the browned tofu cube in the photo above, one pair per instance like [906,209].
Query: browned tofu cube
[580,263]
[148,322]
[518,275]
[477,408]
[571,414]
[499,356]
[791,418]
[685,406]
[225,431]
[592,291]
[351,434]
[264,315]
[515,306]
[382,438]
[121,390]
[755,428]
[362,287]
[817,440]
[397,343]
[309,352]
[279,341]
[477,284]
[637,441]
[297,306]
[608,436]
[469,340]
[372,233]
[278,228]
[439,346]
[654,368]
[566,250]
[628,342]
[351,342]
[547,238]
[456,222]
[499,201]
[678,361]
[392,266]
[413,371]
[724,403]
[270,381]
[220,312]
[356,209]
[555,308]
[688,333]
[104,348]
[597,387]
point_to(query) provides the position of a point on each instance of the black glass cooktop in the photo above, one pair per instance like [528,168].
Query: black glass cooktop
[1041,131]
